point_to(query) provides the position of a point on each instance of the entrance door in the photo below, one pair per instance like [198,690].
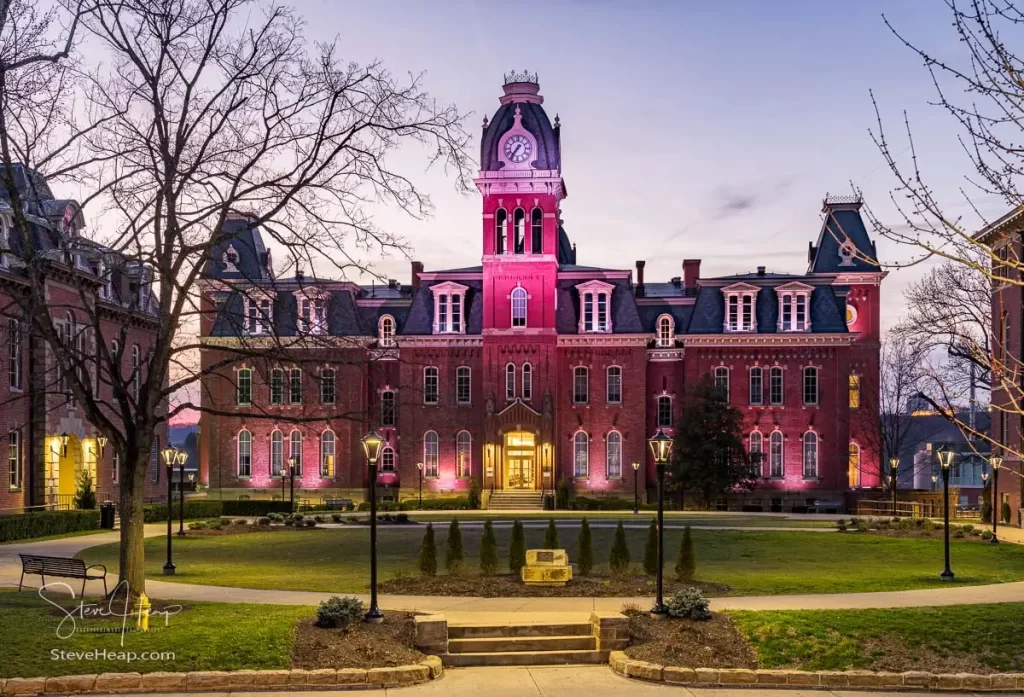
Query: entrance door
[520,473]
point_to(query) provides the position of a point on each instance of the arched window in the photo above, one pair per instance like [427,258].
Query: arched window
[519,230]
[665,330]
[527,394]
[510,382]
[775,386]
[665,419]
[722,383]
[810,386]
[756,452]
[244,463]
[613,456]
[276,453]
[387,459]
[581,454]
[136,371]
[327,386]
[243,391]
[500,230]
[756,386]
[430,459]
[580,385]
[613,385]
[387,408]
[775,465]
[519,307]
[430,385]
[387,331]
[295,451]
[853,471]
[537,231]
[463,454]
[327,454]
[810,455]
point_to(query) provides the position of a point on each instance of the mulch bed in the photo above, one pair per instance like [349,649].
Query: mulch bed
[503,586]
[359,646]
[671,642]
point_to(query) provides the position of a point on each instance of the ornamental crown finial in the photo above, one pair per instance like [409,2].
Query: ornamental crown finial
[525,76]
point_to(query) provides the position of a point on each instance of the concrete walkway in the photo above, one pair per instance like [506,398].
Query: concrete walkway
[561,681]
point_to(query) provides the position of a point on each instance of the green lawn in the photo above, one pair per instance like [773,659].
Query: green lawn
[205,636]
[61,536]
[750,563]
[972,638]
[696,519]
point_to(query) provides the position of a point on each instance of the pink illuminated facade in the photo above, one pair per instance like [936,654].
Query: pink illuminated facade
[530,368]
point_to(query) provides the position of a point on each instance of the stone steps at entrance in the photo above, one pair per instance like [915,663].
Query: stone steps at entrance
[512,500]
[528,644]
[524,658]
[500,631]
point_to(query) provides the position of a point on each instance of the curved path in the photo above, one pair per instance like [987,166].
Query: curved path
[453,607]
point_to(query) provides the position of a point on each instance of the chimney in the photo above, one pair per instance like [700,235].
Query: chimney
[299,275]
[640,278]
[691,272]
[760,271]
[417,269]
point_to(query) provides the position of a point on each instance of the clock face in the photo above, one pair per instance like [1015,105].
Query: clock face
[518,148]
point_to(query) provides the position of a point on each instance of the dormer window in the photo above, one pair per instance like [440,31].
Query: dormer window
[666,331]
[230,259]
[449,308]
[794,307]
[259,315]
[740,301]
[312,311]
[386,331]
[5,240]
[595,307]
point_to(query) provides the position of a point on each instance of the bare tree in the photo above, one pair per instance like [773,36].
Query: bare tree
[205,112]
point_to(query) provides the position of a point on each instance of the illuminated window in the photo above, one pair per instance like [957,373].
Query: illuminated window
[276,453]
[327,454]
[295,450]
[775,468]
[853,472]
[430,455]
[855,391]
[463,454]
[581,455]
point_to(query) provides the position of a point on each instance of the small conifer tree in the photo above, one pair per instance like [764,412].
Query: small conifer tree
[651,549]
[517,549]
[686,565]
[428,553]
[85,496]
[619,558]
[585,556]
[551,536]
[489,551]
[453,551]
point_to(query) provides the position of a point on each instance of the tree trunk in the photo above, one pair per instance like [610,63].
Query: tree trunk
[133,553]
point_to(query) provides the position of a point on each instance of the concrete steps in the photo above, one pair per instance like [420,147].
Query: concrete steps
[516,501]
[524,658]
[532,644]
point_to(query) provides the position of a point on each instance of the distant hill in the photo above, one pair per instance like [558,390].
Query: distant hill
[178,434]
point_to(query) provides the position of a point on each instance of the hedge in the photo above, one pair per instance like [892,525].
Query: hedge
[582,503]
[253,508]
[450,503]
[27,525]
[155,513]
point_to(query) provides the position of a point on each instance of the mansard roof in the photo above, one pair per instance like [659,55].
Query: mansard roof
[624,315]
[420,320]
[827,311]
[843,222]
[535,120]
[247,243]
[649,314]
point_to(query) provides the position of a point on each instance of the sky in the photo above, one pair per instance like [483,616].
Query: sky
[704,130]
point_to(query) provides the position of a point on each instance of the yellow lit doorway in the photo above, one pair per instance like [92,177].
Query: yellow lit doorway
[520,460]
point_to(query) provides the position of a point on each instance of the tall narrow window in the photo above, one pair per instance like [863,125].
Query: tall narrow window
[722,383]
[463,455]
[665,412]
[243,396]
[756,451]
[664,331]
[136,372]
[580,385]
[430,458]
[463,386]
[734,313]
[500,230]
[537,231]
[456,313]
[387,408]
[853,470]
[614,385]
[747,323]
[14,353]
[581,455]
[801,313]
[244,463]
[430,385]
[756,386]
[14,459]
[588,312]
[510,382]
[295,450]
[442,313]
[276,386]
[387,331]
[327,386]
[387,459]
[276,453]
[602,312]
[304,314]
[810,386]
[775,469]
[527,394]
[327,454]
[775,394]
[810,455]
[519,307]
[613,456]
[295,386]
[855,391]
[519,230]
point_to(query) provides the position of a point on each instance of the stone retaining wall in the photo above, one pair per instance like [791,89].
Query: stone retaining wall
[739,677]
[210,681]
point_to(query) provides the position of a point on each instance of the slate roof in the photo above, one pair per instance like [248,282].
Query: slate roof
[252,254]
[649,315]
[535,120]
[840,223]
[828,313]
[566,250]
[420,320]
[624,315]
[667,290]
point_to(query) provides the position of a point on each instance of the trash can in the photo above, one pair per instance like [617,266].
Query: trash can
[107,515]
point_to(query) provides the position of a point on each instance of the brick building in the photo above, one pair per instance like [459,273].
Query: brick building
[530,367]
[49,442]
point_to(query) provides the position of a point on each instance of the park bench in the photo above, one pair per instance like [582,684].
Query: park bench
[61,567]
[343,504]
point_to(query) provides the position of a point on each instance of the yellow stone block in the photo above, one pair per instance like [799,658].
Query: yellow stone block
[547,575]
[547,557]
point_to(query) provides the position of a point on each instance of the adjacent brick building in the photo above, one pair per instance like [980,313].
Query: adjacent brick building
[531,368]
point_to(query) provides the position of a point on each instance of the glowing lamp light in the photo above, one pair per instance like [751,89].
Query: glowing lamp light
[372,444]
[182,458]
[894,463]
[636,466]
[419,466]
[984,476]
[64,444]
[661,447]
[996,461]
[945,458]
[102,440]
[170,455]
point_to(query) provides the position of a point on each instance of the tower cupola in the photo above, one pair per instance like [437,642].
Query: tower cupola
[520,134]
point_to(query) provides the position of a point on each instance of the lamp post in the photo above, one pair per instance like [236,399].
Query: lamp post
[419,466]
[182,458]
[945,461]
[636,491]
[661,448]
[372,443]
[64,444]
[997,464]
[894,462]
[935,478]
[291,483]
[169,455]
